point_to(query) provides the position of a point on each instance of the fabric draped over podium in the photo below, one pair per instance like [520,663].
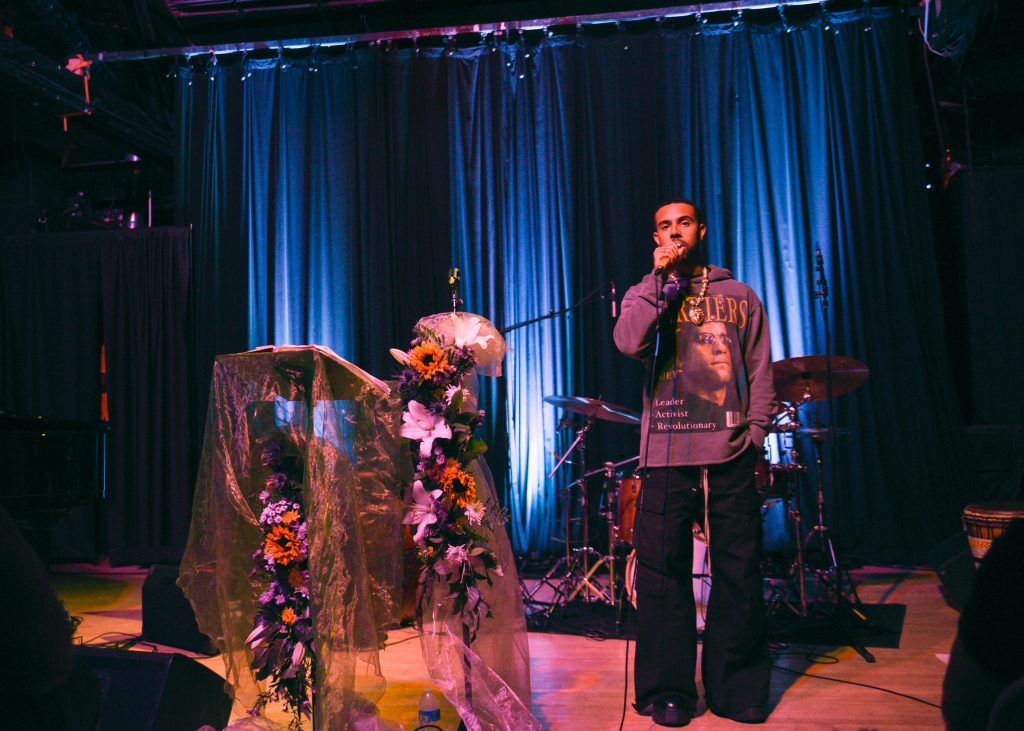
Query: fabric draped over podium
[344,425]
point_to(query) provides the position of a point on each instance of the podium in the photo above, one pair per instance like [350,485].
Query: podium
[341,425]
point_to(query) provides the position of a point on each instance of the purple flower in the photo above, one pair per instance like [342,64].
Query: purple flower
[271,454]
[407,377]
[271,514]
[277,481]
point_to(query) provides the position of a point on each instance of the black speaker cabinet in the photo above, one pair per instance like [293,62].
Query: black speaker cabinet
[155,691]
[167,617]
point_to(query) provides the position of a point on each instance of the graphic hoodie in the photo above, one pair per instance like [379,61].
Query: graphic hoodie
[713,394]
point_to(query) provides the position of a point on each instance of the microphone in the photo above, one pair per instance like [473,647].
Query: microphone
[615,306]
[663,263]
[819,264]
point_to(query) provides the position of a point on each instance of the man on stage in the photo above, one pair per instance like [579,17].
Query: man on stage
[708,403]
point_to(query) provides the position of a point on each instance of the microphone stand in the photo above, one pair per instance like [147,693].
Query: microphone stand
[597,293]
[843,612]
[564,591]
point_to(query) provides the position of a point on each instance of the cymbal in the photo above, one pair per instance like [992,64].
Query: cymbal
[821,433]
[594,408]
[806,374]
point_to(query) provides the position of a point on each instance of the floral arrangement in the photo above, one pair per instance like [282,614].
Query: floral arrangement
[445,506]
[281,639]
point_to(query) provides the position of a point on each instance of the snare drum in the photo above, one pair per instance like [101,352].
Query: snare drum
[784,479]
[628,490]
[984,522]
[776,480]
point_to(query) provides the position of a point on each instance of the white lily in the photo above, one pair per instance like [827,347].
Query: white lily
[400,355]
[419,423]
[422,513]
[466,332]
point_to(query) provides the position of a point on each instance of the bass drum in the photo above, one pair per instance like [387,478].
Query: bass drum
[701,577]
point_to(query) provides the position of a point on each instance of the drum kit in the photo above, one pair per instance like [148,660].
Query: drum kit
[591,575]
[798,381]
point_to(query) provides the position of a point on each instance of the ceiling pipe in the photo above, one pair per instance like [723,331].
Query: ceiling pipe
[454,30]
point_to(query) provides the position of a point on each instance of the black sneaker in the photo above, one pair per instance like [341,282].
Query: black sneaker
[670,707]
[669,712]
[752,714]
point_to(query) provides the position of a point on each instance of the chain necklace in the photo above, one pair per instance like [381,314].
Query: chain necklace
[694,313]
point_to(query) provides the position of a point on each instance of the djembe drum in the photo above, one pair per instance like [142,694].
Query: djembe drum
[984,522]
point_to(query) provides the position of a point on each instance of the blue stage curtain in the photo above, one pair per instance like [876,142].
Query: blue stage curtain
[354,180]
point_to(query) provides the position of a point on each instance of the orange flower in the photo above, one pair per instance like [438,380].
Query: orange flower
[289,517]
[295,577]
[428,359]
[283,545]
[288,615]
[458,484]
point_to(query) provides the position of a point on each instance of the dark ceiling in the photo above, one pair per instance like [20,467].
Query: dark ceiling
[973,95]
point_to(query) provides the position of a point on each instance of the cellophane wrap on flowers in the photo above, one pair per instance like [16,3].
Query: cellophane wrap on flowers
[470,610]
[484,340]
[334,431]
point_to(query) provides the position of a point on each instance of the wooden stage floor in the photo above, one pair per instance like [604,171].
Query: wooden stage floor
[578,682]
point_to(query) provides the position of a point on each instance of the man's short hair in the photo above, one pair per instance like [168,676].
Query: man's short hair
[696,208]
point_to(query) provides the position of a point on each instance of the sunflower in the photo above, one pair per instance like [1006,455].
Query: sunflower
[289,516]
[458,484]
[288,615]
[296,577]
[429,360]
[283,545]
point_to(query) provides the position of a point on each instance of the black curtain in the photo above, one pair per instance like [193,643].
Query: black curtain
[61,297]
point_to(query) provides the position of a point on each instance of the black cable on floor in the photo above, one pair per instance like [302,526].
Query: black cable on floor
[853,682]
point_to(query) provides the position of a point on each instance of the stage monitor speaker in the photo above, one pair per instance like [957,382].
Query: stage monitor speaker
[954,564]
[167,617]
[156,691]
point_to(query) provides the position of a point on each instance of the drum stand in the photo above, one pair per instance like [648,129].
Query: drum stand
[796,574]
[573,573]
[844,615]
[829,575]
[818,535]
[585,584]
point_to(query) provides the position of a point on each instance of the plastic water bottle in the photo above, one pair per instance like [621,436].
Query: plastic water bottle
[430,708]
